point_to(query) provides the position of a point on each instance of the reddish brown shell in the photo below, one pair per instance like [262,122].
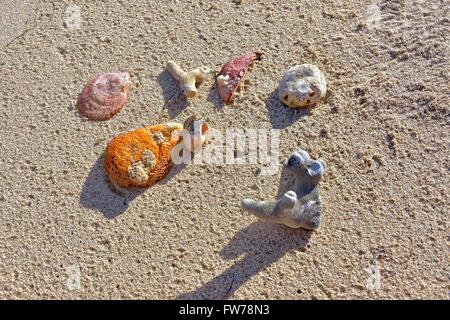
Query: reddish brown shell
[104,96]
[231,74]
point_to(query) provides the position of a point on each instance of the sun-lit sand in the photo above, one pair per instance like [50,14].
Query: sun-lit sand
[383,130]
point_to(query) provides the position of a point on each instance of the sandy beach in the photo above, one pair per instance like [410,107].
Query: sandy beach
[383,130]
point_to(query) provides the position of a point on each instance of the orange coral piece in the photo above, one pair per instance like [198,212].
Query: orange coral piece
[141,157]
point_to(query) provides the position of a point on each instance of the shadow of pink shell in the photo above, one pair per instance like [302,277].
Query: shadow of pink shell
[104,96]
[231,74]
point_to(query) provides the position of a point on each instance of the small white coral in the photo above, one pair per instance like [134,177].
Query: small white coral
[302,86]
[188,80]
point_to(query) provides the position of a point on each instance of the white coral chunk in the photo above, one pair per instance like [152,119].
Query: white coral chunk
[188,80]
[302,86]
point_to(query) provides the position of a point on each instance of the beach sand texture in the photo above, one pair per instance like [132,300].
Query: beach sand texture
[383,130]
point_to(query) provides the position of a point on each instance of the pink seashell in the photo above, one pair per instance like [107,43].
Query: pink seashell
[232,73]
[104,96]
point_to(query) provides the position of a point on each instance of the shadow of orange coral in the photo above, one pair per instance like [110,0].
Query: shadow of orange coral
[100,195]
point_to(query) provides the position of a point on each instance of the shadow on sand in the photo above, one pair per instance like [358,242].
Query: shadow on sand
[99,194]
[286,183]
[174,101]
[214,98]
[280,115]
[261,244]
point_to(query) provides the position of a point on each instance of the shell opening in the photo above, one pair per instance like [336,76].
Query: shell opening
[196,133]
